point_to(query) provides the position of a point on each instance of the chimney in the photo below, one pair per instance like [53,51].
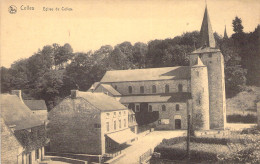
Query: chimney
[18,93]
[73,94]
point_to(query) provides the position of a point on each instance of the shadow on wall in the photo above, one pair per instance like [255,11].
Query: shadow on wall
[144,117]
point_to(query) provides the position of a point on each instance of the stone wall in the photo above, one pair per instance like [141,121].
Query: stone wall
[258,113]
[10,147]
[171,113]
[217,99]
[71,127]
[122,87]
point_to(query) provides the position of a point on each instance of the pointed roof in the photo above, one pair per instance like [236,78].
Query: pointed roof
[199,63]
[206,34]
[225,33]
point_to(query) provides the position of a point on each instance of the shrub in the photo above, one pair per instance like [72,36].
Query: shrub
[237,118]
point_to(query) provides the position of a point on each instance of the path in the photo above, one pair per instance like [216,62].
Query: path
[144,144]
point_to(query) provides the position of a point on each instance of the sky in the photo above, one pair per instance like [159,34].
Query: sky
[91,23]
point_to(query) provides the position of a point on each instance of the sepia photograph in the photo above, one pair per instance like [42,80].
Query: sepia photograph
[130,81]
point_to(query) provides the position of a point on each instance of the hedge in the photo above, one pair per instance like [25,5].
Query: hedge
[237,118]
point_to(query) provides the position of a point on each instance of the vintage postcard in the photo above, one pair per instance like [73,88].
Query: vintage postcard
[130,81]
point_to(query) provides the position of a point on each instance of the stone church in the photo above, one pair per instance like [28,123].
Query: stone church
[165,96]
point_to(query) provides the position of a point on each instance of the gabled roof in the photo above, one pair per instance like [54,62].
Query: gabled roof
[36,104]
[205,50]
[110,89]
[101,101]
[17,114]
[206,34]
[165,73]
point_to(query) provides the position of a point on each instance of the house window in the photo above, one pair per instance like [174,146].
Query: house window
[154,89]
[163,108]
[119,113]
[119,124]
[177,107]
[115,87]
[114,114]
[167,88]
[137,108]
[124,112]
[180,88]
[124,122]
[150,109]
[107,115]
[107,124]
[130,89]
[142,89]
[97,126]
[114,125]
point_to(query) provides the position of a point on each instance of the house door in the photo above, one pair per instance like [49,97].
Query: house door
[177,124]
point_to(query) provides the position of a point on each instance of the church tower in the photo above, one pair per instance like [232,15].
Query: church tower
[200,96]
[213,59]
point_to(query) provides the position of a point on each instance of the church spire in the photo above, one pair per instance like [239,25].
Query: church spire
[225,33]
[206,34]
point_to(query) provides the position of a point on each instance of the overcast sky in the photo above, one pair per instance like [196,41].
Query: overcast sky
[92,24]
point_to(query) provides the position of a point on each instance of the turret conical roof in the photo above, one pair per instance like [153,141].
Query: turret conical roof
[206,34]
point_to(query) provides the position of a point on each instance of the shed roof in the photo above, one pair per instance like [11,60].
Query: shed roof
[166,97]
[101,101]
[165,73]
[16,113]
[36,104]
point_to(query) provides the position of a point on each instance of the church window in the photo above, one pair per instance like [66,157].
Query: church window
[130,89]
[180,88]
[154,89]
[142,89]
[137,108]
[150,109]
[177,107]
[114,125]
[163,108]
[167,88]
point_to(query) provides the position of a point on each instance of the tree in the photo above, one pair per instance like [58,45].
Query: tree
[237,25]
[139,54]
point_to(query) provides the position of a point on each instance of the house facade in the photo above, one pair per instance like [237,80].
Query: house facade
[23,135]
[88,123]
[165,96]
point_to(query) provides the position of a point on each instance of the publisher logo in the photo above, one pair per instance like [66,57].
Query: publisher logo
[12,9]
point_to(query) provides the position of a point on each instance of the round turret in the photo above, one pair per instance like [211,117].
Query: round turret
[200,96]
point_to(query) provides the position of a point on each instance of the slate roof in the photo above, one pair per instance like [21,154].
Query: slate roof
[17,114]
[101,101]
[36,104]
[167,97]
[110,89]
[164,73]
[205,50]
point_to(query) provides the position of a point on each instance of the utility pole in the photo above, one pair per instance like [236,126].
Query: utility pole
[188,138]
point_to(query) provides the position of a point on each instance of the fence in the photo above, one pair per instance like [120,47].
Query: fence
[145,156]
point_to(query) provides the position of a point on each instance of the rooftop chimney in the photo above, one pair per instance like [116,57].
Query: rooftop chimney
[73,94]
[18,93]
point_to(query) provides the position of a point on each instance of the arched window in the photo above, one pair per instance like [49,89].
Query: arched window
[142,89]
[167,88]
[150,109]
[163,108]
[177,107]
[154,89]
[180,87]
[130,89]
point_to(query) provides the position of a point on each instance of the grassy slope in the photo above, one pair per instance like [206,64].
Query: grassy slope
[244,102]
